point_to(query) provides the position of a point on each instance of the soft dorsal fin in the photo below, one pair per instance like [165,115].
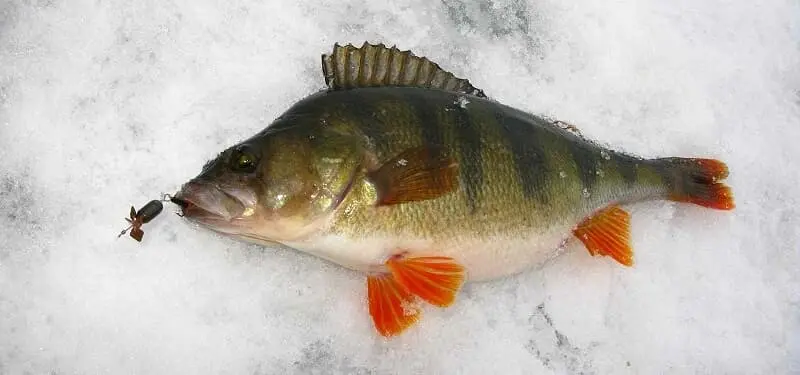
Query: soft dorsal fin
[377,65]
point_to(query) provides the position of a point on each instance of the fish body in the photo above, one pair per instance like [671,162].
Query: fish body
[523,182]
[415,178]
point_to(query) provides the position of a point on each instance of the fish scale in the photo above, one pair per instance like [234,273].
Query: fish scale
[404,172]
[523,171]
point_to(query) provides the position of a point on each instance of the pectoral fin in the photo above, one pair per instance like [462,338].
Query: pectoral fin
[417,174]
[607,232]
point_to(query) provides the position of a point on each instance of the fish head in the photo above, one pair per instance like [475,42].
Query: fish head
[280,185]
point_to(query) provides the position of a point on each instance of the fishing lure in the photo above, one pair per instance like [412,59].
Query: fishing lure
[141,217]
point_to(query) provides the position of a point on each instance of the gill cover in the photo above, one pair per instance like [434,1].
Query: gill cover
[305,177]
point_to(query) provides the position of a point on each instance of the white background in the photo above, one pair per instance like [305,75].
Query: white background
[108,104]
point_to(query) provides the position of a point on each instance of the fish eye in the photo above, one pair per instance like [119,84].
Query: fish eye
[243,160]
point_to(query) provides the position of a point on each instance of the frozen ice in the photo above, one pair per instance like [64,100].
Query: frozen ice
[104,105]
[462,102]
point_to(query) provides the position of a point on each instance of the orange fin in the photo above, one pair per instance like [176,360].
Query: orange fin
[607,232]
[698,183]
[436,280]
[417,174]
[391,306]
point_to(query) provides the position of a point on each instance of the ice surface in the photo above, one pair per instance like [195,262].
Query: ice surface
[108,104]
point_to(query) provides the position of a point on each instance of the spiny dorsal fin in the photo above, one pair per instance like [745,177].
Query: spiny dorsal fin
[377,65]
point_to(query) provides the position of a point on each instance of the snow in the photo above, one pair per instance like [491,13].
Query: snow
[104,105]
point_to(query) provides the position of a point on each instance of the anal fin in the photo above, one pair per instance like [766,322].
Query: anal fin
[607,232]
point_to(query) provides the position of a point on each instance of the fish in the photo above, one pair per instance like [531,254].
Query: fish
[417,180]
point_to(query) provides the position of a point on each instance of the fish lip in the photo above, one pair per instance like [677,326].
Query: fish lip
[202,201]
[182,203]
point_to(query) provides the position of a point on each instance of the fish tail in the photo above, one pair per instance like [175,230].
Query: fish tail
[697,181]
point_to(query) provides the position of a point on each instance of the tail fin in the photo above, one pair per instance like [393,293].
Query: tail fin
[697,181]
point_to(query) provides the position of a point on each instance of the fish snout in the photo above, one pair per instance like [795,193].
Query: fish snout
[206,200]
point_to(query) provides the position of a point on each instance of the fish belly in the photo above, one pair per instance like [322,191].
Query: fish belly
[501,256]
[484,258]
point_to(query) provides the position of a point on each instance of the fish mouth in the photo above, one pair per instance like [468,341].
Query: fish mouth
[214,204]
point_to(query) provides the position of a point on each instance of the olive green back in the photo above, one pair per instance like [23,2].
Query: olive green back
[516,171]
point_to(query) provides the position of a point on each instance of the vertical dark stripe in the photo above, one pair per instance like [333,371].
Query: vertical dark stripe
[627,168]
[363,109]
[468,139]
[529,157]
[664,167]
[586,161]
[430,125]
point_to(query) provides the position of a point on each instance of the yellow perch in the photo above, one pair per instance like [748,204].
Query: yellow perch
[413,176]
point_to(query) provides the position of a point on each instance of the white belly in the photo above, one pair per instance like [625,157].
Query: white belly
[483,258]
